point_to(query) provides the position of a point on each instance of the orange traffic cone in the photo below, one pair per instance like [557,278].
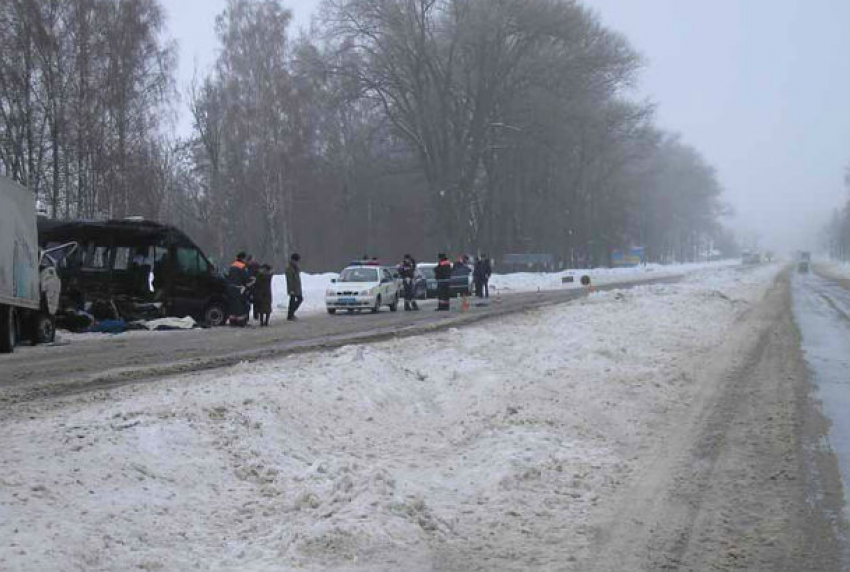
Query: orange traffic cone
[464,305]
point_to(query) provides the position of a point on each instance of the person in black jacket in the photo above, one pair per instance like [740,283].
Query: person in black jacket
[478,277]
[263,294]
[443,274]
[293,286]
[238,288]
[252,266]
[487,270]
[407,270]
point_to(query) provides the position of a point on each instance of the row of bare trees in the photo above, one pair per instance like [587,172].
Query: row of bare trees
[459,125]
[838,230]
[83,84]
[396,125]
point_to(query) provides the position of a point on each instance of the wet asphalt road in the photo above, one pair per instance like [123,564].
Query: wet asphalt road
[822,313]
[91,364]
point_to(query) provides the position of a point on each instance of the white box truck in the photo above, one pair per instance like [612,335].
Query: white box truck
[29,285]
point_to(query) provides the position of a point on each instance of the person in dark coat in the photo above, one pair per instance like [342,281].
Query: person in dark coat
[443,274]
[407,270]
[293,286]
[478,277]
[238,289]
[487,271]
[263,294]
[252,266]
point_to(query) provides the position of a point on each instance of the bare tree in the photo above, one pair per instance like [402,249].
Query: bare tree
[82,87]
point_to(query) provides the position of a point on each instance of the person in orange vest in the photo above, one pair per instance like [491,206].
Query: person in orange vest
[443,274]
[238,285]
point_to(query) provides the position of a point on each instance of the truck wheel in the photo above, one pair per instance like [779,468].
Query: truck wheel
[333,311]
[43,329]
[215,315]
[7,329]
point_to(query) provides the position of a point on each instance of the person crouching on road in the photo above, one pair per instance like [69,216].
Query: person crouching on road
[443,274]
[293,286]
[263,294]
[407,269]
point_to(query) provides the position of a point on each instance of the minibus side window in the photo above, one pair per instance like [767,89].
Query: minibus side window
[122,258]
[97,258]
[188,261]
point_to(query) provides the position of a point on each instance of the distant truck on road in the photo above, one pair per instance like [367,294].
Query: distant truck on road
[29,285]
[804,262]
[751,257]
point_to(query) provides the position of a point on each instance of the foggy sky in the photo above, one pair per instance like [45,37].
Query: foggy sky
[760,87]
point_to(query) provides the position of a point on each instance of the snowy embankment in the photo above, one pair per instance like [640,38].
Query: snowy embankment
[531,281]
[315,285]
[488,447]
[839,269]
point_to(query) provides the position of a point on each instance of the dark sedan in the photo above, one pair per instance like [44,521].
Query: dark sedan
[461,280]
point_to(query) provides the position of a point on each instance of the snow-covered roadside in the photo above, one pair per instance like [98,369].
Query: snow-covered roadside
[315,285]
[838,269]
[531,281]
[487,447]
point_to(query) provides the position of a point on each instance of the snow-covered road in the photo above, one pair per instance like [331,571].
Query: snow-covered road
[494,446]
[95,361]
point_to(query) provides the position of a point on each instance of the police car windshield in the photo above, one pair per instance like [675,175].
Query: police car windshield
[359,275]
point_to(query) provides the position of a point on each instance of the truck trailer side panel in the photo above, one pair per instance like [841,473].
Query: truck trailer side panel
[19,272]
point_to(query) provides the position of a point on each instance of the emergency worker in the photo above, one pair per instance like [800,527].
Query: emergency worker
[443,274]
[407,269]
[238,284]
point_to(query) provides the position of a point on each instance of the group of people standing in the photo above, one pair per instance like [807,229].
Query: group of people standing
[250,287]
[443,273]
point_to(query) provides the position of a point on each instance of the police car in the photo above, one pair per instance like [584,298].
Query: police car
[363,287]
